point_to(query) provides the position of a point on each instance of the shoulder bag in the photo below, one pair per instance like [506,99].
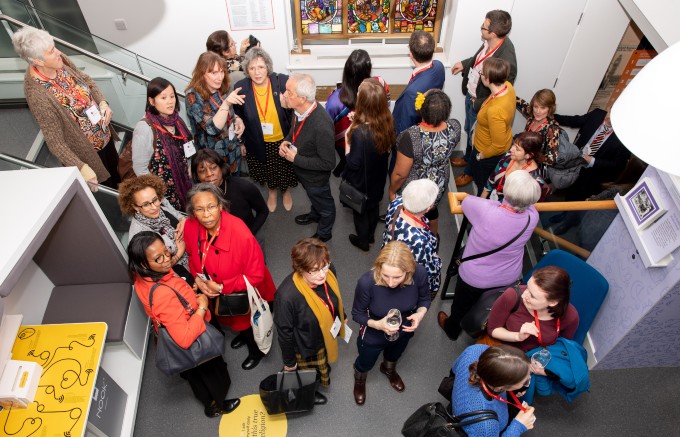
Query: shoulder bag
[474,322]
[170,357]
[432,420]
[458,260]
[261,318]
[297,399]
[352,197]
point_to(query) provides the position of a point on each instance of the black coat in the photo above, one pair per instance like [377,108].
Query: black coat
[363,161]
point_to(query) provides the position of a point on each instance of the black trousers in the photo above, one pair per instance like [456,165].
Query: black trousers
[482,169]
[210,381]
[109,157]
[366,223]
[464,298]
[249,337]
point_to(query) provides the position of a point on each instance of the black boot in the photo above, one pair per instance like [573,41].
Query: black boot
[359,387]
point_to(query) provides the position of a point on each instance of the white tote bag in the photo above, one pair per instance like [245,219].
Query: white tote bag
[260,318]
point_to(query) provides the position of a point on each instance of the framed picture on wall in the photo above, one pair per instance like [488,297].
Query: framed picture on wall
[644,206]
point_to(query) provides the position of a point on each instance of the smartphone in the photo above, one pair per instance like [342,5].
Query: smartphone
[252,42]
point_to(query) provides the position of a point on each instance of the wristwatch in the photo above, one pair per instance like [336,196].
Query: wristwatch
[202,308]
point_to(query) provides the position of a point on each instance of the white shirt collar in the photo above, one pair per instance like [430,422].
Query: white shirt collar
[301,117]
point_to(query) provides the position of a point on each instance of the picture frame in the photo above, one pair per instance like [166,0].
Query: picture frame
[643,204]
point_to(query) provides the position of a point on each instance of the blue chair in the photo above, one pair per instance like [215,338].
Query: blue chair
[588,288]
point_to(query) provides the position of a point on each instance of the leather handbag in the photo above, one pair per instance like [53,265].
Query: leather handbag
[297,399]
[232,304]
[351,196]
[172,358]
[474,322]
[432,420]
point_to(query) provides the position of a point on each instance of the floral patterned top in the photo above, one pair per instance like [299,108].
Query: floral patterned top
[496,180]
[422,242]
[74,95]
[550,131]
[430,152]
[206,135]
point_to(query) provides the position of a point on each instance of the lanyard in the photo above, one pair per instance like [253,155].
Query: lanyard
[417,220]
[296,133]
[538,326]
[516,402]
[266,97]
[71,93]
[537,129]
[329,305]
[500,91]
[504,206]
[165,131]
[501,183]
[413,76]
[479,61]
[204,252]
[218,107]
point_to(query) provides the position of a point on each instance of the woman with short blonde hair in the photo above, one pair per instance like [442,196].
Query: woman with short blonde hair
[394,282]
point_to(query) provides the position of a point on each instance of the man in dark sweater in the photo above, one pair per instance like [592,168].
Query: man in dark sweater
[310,146]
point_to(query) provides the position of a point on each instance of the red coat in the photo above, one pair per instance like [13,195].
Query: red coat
[234,253]
[167,308]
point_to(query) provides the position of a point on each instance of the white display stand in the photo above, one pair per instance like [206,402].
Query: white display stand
[54,234]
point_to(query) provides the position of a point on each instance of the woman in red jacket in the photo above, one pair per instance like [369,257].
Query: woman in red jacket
[221,251]
[149,264]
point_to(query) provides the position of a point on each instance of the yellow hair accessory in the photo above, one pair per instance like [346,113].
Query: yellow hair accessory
[420,99]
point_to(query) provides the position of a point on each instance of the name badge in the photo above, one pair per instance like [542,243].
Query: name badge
[267,128]
[231,132]
[348,333]
[335,328]
[189,149]
[93,114]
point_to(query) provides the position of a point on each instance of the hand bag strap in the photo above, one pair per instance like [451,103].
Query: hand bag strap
[181,298]
[250,286]
[394,221]
[283,376]
[482,255]
[432,410]
[519,298]
[484,415]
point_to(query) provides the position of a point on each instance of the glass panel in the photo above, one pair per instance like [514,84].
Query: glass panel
[577,232]
[412,15]
[108,201]
[321,17]
[368,16]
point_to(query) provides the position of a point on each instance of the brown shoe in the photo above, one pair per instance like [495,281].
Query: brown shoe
[463,180]
[359,387]
[458,162]
[389,368]
[442,317]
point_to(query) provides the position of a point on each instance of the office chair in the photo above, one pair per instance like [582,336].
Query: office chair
[588,288]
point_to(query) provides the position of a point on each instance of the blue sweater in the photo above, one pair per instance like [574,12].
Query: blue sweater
[468,398]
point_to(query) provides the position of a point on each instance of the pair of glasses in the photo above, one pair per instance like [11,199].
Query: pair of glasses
[484,28]
[147,205]
[323,270]
[162,257]
[209,209]
[481,73]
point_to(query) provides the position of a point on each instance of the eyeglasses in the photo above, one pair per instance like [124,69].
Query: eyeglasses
[146,205]
[161,258]
[484,28]
[323,270]
[527,383]
[209,209]
[481,73]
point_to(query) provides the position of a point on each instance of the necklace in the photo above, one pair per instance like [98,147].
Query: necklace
[264,92]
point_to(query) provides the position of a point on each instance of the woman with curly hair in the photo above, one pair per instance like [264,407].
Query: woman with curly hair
[369,140]
[423,150]
[142,198]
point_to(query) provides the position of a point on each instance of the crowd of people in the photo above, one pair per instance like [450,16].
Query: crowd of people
[196,223]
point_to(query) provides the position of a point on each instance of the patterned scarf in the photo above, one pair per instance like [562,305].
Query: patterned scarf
[174,151]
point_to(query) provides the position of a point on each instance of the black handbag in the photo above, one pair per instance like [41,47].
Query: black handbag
[232,304]
[432,420]
[170,357]
[277,400]
[474,322]
[351,196]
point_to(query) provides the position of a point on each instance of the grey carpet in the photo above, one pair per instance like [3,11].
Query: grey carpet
[19,130]
[629,402]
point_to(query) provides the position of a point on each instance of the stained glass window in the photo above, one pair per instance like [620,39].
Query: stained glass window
[342,19]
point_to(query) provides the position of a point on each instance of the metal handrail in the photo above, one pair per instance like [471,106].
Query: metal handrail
[33,166]
[122,69]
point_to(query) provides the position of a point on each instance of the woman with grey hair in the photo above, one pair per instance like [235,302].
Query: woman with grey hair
[406,221]
[494,224]
[267,123]
[69,108]
[222,250]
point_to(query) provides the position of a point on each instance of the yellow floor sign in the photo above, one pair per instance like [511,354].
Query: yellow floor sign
[250,419]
